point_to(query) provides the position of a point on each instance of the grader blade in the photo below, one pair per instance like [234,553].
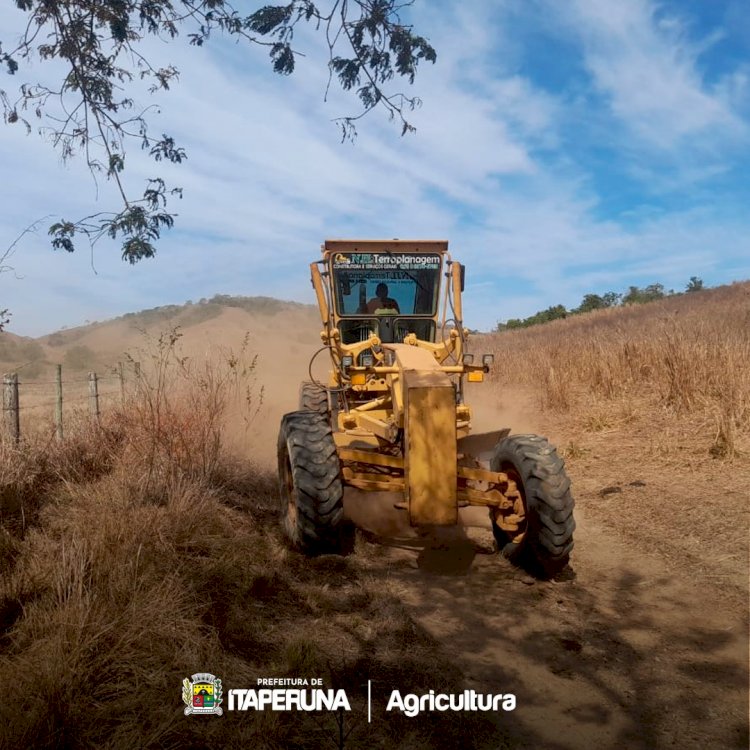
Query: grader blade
[430,448]
[481,442]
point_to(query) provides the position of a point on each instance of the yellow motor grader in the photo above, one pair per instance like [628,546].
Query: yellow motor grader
[392,416]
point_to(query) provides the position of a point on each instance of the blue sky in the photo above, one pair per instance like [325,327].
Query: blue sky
[562,148]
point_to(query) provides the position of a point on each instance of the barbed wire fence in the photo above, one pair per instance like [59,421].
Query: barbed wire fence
[59,396]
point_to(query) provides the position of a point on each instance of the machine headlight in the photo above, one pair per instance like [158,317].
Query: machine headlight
[488,360]
[347,361]
[468,359]
[367,360]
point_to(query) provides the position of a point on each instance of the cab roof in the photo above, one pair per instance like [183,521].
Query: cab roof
[400,246]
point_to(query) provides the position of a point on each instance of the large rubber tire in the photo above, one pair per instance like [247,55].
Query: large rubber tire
[313,398]
[546,546]
[310,486]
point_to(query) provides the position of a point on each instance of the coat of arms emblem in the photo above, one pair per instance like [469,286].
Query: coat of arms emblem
[201,694]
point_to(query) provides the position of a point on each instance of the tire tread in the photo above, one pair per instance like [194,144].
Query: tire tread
[548,542]
[306,443]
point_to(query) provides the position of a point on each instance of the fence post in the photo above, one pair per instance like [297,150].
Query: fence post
[93,396]
[121,378]
[11,406]
[58,402]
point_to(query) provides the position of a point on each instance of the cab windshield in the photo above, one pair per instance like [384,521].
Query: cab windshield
[386,283]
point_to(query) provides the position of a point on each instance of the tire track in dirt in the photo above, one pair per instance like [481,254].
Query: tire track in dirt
[623,655]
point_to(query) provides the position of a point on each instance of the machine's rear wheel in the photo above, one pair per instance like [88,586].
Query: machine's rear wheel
[546,540]
[313,398]
[311,490]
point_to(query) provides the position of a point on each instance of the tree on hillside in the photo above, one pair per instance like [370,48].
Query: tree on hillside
[636,296]
[543,316]
[91,111]
[632,296]
[553,312]
[590,302]
[694,285]
[654,291]
[510,324]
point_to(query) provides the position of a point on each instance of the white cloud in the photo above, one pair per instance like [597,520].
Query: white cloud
[648,67]
[267,179]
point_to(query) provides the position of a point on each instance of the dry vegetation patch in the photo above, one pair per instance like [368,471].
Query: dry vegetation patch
[651,406]
[148,553]
[690,355]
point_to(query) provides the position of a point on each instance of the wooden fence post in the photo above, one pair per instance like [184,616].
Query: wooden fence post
[121,378]
[11,406]
[93,396]
[58,402]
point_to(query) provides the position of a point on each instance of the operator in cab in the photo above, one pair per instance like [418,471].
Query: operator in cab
[381,301]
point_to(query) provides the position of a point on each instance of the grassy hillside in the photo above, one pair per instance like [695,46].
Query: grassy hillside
[98,346]
[686,358]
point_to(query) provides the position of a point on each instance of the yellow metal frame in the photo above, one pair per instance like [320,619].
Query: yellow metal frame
[400,425]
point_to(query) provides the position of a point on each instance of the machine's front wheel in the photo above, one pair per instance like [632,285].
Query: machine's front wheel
[310,486]
[544,539]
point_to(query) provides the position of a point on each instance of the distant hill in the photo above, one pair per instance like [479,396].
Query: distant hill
[186,315]
[18,352]
[222,320]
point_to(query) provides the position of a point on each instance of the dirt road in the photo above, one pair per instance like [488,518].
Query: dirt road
[634,648]
[622,655]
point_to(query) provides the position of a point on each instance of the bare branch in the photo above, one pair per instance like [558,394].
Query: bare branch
[11,249]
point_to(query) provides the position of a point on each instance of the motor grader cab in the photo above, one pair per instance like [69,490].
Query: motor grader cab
[392,416]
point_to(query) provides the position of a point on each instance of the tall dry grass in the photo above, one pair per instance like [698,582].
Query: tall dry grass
[151,554]
[175,424]
[689,355]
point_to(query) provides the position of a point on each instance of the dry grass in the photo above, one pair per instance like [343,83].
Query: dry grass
[653,403]
[28,472]
[175,421]
[687,356]
[147,553]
